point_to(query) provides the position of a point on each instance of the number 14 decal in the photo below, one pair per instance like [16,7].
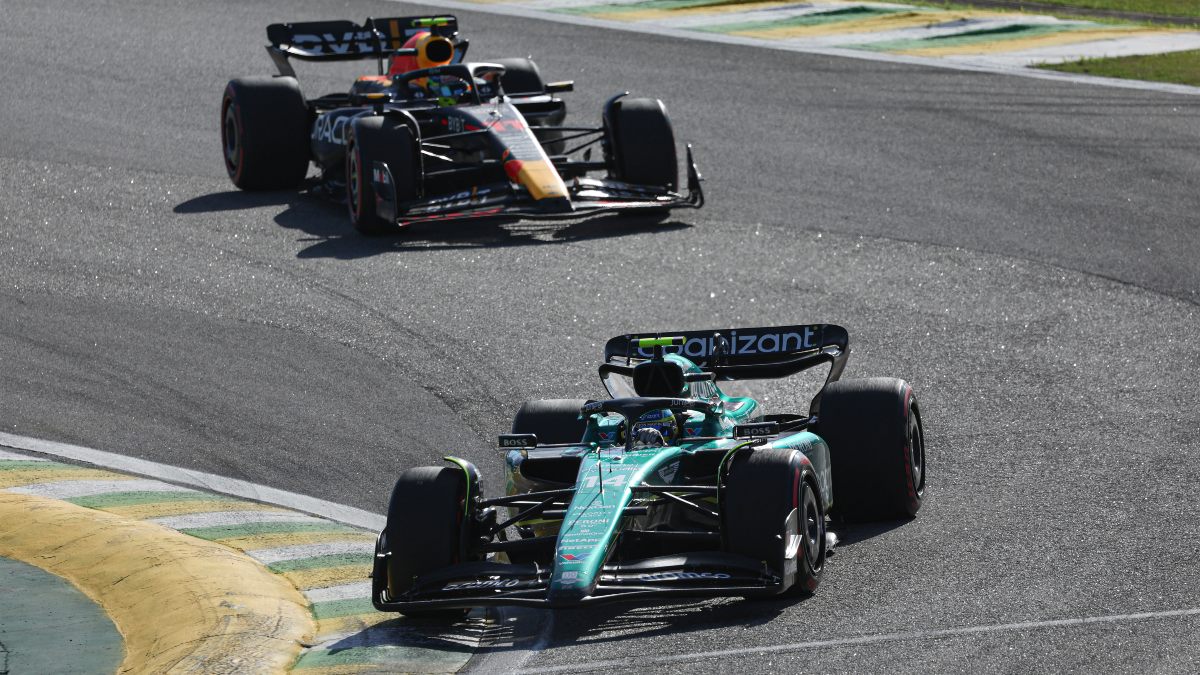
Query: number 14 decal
[616,480]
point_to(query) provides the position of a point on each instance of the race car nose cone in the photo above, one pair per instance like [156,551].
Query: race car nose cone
[556,205]
[566,596]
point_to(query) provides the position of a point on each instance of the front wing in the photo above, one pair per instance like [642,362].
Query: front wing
[588,197]
[478,584]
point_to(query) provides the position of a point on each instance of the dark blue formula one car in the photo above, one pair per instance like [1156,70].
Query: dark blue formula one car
[432,137]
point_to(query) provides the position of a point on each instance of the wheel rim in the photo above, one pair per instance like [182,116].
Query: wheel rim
[231,139]
[916,453]
[813,530]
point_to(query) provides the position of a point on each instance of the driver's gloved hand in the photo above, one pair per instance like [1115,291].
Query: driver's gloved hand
[650,436]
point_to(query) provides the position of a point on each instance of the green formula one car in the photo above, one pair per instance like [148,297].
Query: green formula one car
[671,487]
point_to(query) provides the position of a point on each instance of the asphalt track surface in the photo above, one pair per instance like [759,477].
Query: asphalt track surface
[1022,251]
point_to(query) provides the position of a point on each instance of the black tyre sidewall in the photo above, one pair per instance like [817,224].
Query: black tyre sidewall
[761,488]
[553,420]
[371,139]
[644,143]
[270,124]
[425,518]
[521,77]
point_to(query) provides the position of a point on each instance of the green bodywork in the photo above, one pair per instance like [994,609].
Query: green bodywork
[608,470]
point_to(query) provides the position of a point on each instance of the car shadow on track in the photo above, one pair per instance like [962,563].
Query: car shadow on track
[332,236]
[851,534]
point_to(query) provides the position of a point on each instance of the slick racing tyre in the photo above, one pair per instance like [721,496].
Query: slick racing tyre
[553,420]
[642,143]
[876,448]
[771,511]
[265,133]
[425,518]
[521,77]
[372,139]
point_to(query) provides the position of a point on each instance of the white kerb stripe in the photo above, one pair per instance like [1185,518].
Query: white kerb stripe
[69,489]
[205,481]
[358,589]
[224,518]
[269,556]
[4,454]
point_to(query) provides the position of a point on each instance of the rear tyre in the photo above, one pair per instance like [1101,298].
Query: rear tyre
[642,143]
[369,140]
[265,133]
[876,448]
[424,531]
[761,489]
[553,420]
[521,77]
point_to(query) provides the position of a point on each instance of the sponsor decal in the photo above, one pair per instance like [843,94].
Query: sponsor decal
[756,429]
[574,557]
[607,436]
[593,407]
[682,576]
[459,200]
[667,473]
[481,583]
[380,176]
[741,345]
[577,541]
[570,575]
[362,41]
[692,431]
[330,129]
[518,441]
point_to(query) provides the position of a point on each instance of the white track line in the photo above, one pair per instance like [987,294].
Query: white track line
[871,639]
[199,479]
[1020,71]
[5,455]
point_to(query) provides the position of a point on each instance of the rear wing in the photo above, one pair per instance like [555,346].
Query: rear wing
[745,353]
[348,41]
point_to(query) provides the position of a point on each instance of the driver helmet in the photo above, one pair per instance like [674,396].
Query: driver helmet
[446,90]
[662,420]
[432,50]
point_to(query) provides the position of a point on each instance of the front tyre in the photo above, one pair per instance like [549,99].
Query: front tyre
[771,511]
[372,139]
[876,448]
[265,133]
[642,143]
[424,532]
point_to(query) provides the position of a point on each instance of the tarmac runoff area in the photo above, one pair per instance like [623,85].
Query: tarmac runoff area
[192,581]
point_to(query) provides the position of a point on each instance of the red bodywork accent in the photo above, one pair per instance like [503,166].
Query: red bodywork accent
[512,168]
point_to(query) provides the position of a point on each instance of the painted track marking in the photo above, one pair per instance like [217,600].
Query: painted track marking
[872,639]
